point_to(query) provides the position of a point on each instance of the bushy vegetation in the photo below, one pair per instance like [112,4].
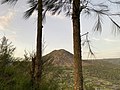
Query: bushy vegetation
[104,70]
[15,73]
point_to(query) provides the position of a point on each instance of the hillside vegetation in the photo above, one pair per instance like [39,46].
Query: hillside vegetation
[15,73]
[100,73]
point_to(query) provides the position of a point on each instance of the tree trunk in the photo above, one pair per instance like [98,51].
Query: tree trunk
[33,73]
[78,77]
[39,45]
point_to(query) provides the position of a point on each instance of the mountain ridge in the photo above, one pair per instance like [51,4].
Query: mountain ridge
[62,57]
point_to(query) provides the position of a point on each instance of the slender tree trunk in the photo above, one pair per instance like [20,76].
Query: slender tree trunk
[78,77]
[39,46]
[33,73]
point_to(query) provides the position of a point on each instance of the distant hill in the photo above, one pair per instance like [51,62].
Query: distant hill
[103,74]
[61,57]
[113,60]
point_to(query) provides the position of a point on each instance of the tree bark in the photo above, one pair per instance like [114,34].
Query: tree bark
[78,77]
[39,45]
[33,73]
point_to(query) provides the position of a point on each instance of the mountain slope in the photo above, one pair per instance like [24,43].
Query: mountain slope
[61,57]
[103,74]
[64,58]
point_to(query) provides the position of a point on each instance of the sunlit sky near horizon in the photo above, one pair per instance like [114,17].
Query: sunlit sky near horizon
[57,32]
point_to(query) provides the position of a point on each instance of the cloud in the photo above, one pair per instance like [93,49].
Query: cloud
[110,40]
[5,20]
[105,39]
[12,37]
[96,39]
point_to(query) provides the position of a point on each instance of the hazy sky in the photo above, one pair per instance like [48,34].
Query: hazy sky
[57,32]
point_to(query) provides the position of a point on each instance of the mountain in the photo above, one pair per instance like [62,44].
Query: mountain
[61,57]
[113,60]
